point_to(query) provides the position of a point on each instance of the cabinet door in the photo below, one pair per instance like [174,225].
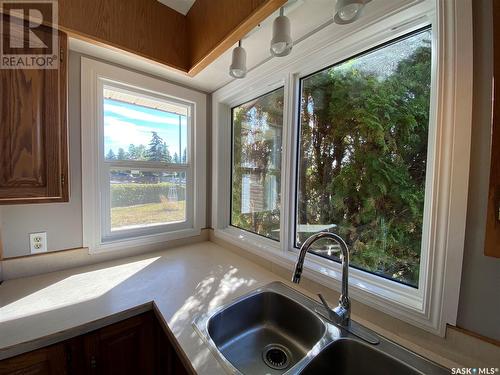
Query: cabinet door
[46,361]
[33,133]
[168,361]
[123,348]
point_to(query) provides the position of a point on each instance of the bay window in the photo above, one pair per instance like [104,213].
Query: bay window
[362,131]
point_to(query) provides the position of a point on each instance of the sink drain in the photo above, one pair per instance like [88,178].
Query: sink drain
[276,356]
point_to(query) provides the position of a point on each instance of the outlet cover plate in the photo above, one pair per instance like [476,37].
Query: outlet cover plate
[38,242]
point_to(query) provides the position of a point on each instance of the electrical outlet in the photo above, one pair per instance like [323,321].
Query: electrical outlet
[38,242]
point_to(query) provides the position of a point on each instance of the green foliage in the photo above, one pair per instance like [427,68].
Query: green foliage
[110,155]
[256,152]
[363,158]
[156,148]
[123,195]
[121,154]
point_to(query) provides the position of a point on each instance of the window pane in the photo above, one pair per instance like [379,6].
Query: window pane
[141,199]
[256,170]
[137,127]
[363,156]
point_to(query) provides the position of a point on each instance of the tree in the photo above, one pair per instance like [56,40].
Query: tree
[363,149]
[155,151]
[166,157]
[141,153]
[256,156]
[132,152]
[175,158]
[121,154]
[184,156]
[110,155]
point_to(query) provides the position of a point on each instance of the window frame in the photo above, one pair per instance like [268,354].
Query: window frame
[97,235]
[435,302]
[232,157]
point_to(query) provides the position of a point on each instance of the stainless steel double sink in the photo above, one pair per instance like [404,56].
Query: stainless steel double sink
[277,330]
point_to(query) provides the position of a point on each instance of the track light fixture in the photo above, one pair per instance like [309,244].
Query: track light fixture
[347,11]
[238,68]
[282,43]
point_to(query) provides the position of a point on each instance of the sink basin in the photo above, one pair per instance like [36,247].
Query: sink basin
[277,330]
[350,357]
[265,333]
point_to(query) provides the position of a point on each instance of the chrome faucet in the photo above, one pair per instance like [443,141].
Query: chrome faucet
[342,313]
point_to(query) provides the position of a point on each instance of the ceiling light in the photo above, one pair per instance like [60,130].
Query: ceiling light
[281,44]
[238,68]
[347,11]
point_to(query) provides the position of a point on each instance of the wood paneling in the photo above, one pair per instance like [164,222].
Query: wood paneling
[492,241]
[143,27]
[153,31]
[214,26]
[33,133]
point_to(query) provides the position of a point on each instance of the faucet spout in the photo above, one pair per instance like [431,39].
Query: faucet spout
[343,310]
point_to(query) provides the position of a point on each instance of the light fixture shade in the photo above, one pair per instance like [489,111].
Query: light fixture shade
[282,43]
[348,11]
[238,68]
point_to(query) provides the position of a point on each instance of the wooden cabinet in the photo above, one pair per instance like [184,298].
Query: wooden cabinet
[46,361]
[33,132]
[126,347]
[134,346]
[492,239]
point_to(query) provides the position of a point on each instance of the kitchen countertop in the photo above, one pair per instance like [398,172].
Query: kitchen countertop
[178,283]
[182,283]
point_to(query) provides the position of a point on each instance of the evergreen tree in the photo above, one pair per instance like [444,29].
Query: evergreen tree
[175,158]
[141,153]
[184,156]
[155,151]
[166,157]
[121,154]
[132,152]
[110,155]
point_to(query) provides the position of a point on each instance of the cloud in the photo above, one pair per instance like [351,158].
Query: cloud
[133,114]
[119,133]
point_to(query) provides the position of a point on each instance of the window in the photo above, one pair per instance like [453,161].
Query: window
[376,123]
[256,164]
[143,159]
[362,157]
[146,163]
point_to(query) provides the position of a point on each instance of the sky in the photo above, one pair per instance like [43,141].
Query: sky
[126,123]
[384,61]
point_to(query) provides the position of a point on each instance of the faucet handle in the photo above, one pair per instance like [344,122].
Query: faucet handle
[331,314]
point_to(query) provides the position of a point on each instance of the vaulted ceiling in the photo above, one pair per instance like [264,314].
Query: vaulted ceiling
[187,42]
[181,6]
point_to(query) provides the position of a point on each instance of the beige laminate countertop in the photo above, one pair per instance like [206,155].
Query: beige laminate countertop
[182,283]
[179,283]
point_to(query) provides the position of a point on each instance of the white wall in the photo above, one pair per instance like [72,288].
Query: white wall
[479,308]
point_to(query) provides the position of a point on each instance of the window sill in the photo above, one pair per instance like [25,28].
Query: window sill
[398,300]
[143,241]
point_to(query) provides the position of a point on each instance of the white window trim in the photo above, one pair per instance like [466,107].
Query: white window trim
[93,75]
[435,302]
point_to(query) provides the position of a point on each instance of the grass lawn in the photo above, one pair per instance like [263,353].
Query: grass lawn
[144,214]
